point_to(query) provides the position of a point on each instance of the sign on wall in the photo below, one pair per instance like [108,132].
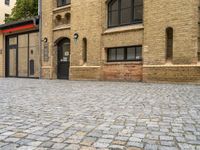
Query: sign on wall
[46,51]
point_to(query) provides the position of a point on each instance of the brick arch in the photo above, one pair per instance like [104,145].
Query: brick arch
[60,39]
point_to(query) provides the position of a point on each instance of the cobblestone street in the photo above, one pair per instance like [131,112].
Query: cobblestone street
[87,115]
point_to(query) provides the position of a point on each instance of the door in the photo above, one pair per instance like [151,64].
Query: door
[11,57]
[63,60]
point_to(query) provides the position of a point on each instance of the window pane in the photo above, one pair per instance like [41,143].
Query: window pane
[138,13]
[23,55]
[113,19]
[12,62]
[113,13]
[138,2]
[126,3]
[13,41]
[63,2]
[138,10]
[120,54]
[126,16]
[111,54]
[126,11]
[113,6]
[138,53]
[131,53]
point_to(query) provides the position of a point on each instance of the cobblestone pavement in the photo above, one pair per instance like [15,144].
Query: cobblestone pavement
[70,115]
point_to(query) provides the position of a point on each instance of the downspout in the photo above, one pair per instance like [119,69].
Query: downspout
[40,37]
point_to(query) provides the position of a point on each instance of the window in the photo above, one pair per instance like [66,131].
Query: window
[6,16]
[125,12]
[63,2]
[84,50]
[132,53]
[7,2]
[169,43]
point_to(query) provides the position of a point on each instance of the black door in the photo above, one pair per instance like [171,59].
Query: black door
[63,60]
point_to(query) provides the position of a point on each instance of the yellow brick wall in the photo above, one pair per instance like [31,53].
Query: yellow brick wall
[47,31]
[89,20]
[2,54]
[182,16]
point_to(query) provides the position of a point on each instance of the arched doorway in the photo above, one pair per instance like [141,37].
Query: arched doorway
[63,58]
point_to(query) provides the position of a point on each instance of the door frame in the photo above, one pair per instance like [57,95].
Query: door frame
[58,49]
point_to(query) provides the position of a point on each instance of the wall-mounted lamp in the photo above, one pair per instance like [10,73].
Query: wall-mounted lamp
[45,40]
[76,36]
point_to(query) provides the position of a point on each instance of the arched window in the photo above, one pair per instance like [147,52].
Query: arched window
[125,12]
[169,43]
[61,3]
[58,20]
[84,50]
[67,18]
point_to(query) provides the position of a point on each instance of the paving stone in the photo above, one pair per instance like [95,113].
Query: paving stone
[150,147]
[166,138]
[119,142]
[10,146]
[167,148]
[167,143]
[72,147]
[88,141]
[34,143]
[11,140]
[26,148]
[19,135]
[59,146]
[100,145]
[62,114]
[47,144]
[104,140]
[57,140]
[134,139]
[135,144]
[116,147]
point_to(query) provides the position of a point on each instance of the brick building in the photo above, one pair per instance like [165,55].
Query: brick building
[19,49]
[122,40]
[126,40]
[6,8]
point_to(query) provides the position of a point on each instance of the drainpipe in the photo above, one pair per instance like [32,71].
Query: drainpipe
[40,37]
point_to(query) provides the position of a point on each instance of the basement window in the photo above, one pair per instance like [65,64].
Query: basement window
[131,53]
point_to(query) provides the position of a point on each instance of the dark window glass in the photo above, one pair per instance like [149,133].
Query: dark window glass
[138,10]
[130,53]
[7,2]
[124,12]
[133,53]
[120,54]
[84,50]
[169,43]
[138,53]
[63,2]
[113,13]
[112,54]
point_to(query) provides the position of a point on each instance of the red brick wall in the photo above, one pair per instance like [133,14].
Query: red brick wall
[122,71]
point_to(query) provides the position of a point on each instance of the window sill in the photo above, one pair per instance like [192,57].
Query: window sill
[62,27]
[124,63]
[62,7]
[124,28]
